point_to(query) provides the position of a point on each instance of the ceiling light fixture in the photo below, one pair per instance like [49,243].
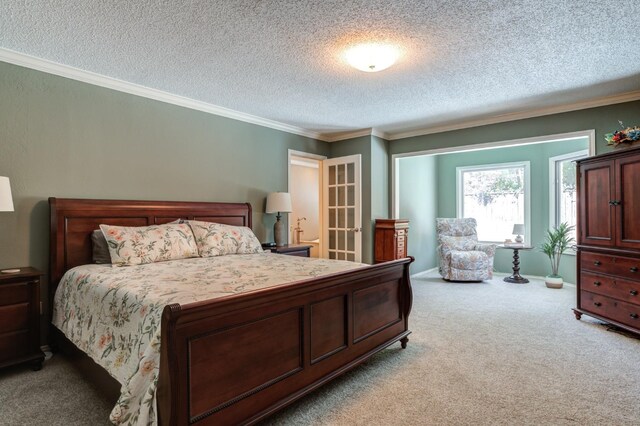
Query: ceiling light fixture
[372,57]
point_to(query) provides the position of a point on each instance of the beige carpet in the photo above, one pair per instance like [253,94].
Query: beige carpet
[491,353]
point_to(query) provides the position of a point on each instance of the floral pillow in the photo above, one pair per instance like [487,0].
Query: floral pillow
[458,243]
[130,245]
[216,239]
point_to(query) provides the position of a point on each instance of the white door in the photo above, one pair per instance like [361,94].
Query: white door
[342,208]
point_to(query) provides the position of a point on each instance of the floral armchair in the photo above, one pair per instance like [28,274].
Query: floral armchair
[462,258]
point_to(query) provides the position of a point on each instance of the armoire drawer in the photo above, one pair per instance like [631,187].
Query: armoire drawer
[618,288]
[617,310]
[627,267]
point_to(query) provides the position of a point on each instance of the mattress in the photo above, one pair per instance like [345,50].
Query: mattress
[114,313]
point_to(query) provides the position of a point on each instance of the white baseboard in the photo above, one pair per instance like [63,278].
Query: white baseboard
[499,274]
[424,273]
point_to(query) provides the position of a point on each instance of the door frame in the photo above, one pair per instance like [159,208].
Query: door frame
[320,158]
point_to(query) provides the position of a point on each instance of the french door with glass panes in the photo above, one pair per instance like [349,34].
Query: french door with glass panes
[342,211]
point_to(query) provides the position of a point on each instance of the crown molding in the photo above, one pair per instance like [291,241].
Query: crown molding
[50,67]
[336,137]
[520,115]
[66,71]
[495,119]
[379,133]
[340,136]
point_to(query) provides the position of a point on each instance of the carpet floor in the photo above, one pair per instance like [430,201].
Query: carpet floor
[480,354]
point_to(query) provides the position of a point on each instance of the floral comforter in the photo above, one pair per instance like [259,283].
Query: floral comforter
[114,313]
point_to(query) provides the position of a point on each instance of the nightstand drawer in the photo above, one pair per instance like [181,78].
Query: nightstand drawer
[299,253]
[13,345]
[20,318]
[14,293]
[292,250]
[14,317]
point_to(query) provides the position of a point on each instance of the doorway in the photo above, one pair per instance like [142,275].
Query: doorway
[475,181]
[326,205]
[305,188]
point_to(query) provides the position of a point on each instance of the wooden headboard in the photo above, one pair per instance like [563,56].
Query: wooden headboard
[73,220]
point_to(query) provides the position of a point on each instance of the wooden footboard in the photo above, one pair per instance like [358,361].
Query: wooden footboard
[239,359]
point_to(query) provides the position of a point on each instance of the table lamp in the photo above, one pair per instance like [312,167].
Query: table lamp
[6,205]
[518,231]
[278,202]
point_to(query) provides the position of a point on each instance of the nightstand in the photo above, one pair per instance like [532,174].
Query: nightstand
[292,250]
[20,318]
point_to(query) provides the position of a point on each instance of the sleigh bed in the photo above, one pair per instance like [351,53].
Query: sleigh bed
[216,366]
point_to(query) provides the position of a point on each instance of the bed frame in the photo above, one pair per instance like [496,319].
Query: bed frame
[238,359]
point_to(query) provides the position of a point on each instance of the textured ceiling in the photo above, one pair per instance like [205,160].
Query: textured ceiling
[281,60]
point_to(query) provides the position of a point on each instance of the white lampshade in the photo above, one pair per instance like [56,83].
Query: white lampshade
[6,201]
[518,229]
[278,202]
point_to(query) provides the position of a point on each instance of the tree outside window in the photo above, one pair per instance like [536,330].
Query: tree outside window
[496,196]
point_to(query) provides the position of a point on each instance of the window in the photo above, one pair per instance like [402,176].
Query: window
[497,196]
[562,188]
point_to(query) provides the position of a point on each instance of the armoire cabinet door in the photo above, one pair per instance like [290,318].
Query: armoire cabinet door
[597,193]
[628,196]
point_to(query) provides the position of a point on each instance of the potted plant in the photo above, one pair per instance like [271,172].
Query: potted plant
[555,243]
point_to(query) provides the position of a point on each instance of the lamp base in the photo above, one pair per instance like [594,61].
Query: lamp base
[278,232]
[10,271]
[519,239]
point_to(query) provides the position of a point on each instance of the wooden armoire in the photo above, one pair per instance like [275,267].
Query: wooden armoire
[609,238]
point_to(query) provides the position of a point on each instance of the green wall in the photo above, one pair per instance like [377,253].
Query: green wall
[63,138]
[532,262]
[418,196]
[379,178]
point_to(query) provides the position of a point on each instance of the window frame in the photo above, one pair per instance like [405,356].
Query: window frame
[554,194]
[496,166]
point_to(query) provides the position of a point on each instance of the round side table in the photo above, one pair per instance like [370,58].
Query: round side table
[515,278]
